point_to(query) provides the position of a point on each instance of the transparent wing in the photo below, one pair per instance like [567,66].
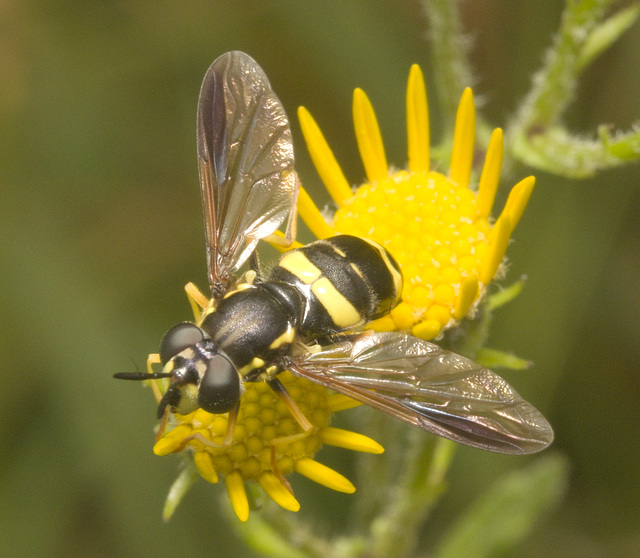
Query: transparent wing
[245,157]
[430,388]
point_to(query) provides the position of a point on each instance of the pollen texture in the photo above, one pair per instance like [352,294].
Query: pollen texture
[262,421]
[267,442]
[437,226]
[434,230]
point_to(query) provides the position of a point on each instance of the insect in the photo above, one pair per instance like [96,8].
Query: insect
[307,314]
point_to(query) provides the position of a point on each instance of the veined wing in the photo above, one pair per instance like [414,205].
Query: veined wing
[245,157]
[431,388]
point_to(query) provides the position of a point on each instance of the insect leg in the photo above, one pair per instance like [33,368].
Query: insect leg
[200,438]
[283,394]
[276,471]
[254,264]
[307,427]
[154,358]
[226,441]
[231,422]
[163,423]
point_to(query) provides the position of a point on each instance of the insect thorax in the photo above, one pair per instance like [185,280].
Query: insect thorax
[253,326]
[327,287]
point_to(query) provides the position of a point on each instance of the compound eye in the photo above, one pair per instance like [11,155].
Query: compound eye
[219,389]
[177,339]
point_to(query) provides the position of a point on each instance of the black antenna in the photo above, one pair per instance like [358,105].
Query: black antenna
[141,375]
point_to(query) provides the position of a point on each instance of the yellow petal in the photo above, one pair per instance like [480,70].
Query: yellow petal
[417,121]
[490,174]
[463,139]
[279,493]
[323,158]
[312,217]
[204,464]
[497,246]
[518,199]
[468,292]
[322,474]
[338,402]
[283,247]
[369,138]
[349,440]
[237,495]
[172,441]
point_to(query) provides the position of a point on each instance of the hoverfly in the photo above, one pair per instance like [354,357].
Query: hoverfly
[307,314]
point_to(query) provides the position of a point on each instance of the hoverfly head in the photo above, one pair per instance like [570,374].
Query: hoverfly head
[201,374]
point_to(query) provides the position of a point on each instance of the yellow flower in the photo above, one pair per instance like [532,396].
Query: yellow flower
[266,442]
[440,232]
[438,227]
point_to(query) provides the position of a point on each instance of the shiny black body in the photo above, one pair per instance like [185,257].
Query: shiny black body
[246,323]
[253,322]
[363,272]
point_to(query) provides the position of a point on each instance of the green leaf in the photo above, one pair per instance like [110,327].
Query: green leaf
[607,33]
[557,151]
[506,295]
[179,488]
[494,358]
[506,514]
[263,538]
[624,146]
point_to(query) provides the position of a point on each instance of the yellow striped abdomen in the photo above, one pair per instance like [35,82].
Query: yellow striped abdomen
[345,281]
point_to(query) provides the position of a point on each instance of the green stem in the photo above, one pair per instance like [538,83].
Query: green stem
[558,152]
[536,135]
[394,533]
[272,534]
[449,60]
[451,69]
[375,471]
[554,85]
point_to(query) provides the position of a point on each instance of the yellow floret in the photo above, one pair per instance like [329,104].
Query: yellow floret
[266,442]
[437,226]
[444,216]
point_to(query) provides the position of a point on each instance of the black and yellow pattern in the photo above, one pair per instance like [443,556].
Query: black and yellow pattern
[327,287]
[242,386]
[346,281]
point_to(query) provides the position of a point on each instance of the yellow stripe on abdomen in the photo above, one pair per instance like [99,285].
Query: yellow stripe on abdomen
[342,312]
[299,265]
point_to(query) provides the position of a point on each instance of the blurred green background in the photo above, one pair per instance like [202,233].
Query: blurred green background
[101,227]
